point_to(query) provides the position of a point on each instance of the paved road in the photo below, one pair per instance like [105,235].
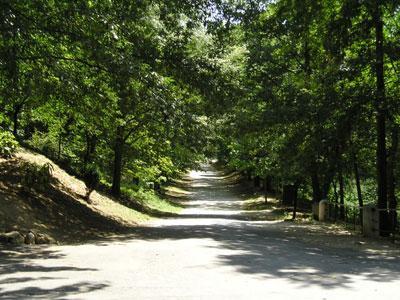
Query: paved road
[212,251]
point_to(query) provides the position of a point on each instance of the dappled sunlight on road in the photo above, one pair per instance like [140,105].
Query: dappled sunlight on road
[196,174]
[214,250]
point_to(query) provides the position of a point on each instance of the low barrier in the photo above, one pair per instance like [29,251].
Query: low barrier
[363,218]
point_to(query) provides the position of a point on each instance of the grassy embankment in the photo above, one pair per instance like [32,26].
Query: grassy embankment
[60,210]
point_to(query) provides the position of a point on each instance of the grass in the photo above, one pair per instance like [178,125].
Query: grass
[257,202]
[152,200]
[273,208]
[126,215]
[176,191]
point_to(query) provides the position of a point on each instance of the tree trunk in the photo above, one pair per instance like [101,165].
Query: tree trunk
[358,185]
[288,194]
[268,182]
[391,177]
[380,119]
[358,181]
[17,110]
[316,191]
[12,72]
[326,185]
[266,189]
[118,154]
[248,175]
[295,201]
[315,187]
[257,181]
[341,193]
[59,146]
[91,141]
[336,199]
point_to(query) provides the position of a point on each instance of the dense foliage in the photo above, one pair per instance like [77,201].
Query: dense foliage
[104,83]
[300,93]
[320,113]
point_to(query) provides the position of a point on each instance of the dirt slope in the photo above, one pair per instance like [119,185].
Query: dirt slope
[59,210]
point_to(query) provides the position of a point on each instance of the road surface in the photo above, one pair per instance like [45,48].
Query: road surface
[213,251]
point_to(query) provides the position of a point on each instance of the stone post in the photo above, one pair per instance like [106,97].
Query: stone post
[370,221]
[323,210]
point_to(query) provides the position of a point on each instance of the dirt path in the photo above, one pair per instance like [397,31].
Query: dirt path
[213,251]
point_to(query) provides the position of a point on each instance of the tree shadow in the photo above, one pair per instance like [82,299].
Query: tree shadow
[17,261]
[61,292]
[286,250]
[276,251]
[280,250]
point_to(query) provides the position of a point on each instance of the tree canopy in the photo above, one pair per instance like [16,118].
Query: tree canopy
[299,93]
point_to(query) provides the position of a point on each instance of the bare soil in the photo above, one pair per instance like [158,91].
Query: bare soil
[60,209]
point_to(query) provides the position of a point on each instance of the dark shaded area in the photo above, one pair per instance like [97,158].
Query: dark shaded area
[58,293]
[245,216]
[14,260]
[18,259]
[55,211]
[278,252]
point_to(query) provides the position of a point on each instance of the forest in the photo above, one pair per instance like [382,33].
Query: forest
[299,95]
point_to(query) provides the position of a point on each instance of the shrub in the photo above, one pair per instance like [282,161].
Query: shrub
[36,176]
[8,144]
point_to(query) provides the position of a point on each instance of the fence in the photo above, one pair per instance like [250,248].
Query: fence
[352,215]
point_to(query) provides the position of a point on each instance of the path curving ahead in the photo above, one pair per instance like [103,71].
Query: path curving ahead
[212,251]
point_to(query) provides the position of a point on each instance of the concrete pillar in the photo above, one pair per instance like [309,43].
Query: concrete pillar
[370,221]
[323,210]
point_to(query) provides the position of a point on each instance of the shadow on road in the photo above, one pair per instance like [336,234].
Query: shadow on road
[17,260]
[274,253]
[301,254]
[60,292]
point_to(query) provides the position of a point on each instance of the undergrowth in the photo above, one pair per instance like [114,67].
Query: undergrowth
[8,144]
[150,199]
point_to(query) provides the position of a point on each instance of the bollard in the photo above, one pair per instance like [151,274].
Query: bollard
[323,210]
[370,221]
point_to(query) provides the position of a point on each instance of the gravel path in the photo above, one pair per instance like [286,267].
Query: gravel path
[213,251]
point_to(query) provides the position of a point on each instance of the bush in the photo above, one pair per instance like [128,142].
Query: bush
[8,144]
[36,176]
